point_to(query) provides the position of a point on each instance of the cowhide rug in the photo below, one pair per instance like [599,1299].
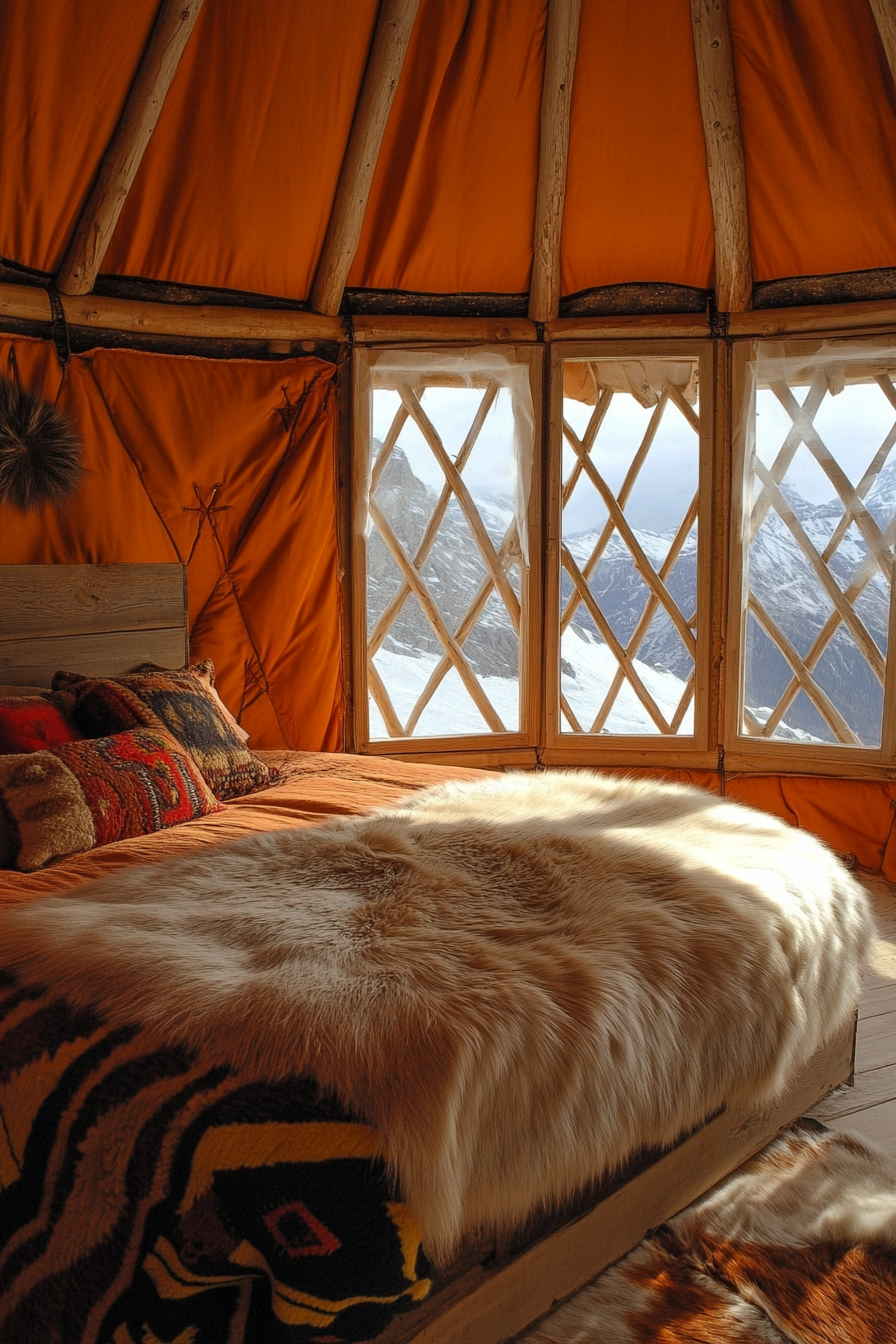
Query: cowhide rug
[519,982]
[797,1247]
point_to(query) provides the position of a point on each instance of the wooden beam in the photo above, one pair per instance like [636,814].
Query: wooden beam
[553,155]
[615,328]
[25,303]
[30,303]
[885,17]
[174,23]
[724,154]
[391,39]
[425,330]
[171,319]
[822,317]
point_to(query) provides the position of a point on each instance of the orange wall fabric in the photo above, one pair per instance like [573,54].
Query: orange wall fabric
[230,467]
[853,816]
[453,201]
[818,117]
[637,203]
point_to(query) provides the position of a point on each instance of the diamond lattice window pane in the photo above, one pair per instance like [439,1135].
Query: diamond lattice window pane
[628,582]
[445,575]
[818,550]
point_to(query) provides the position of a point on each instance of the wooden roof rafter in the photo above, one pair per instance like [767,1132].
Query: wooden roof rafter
[884,12]
[171,32]
[561,46]
[391,39]
[724,154]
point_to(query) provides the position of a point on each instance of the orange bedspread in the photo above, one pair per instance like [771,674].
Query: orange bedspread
[315,785]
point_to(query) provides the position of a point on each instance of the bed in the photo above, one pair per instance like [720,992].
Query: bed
[150,1190]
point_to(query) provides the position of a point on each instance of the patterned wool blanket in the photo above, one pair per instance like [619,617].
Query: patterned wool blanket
[797,1247]
[148,1196]
[517,982]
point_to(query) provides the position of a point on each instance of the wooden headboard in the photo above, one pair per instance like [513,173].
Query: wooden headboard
[100,620]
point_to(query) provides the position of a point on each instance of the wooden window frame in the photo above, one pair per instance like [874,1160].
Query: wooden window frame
[718,741]
[514,748]
[751,754]
[696,751]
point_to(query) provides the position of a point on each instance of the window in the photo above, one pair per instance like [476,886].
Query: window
[628,504]
[813,565]
[563,594]
[447,442]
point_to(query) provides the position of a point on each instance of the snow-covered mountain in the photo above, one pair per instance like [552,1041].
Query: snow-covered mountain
[780,575]
[785,582]
[453,572]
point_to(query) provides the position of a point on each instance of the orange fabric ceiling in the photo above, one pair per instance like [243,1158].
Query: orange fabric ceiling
[230,467]
[65,71]
[818,115]
[453,201]
[637,205]
[236,186]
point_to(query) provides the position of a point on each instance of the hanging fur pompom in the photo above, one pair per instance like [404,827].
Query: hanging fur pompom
[40,455]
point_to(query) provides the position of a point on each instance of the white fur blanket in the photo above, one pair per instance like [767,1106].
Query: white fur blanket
[519,982]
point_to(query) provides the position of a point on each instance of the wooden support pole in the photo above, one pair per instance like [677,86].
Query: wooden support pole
[724,154]
[884,12]
[553,154]
[175,22]
[391,39]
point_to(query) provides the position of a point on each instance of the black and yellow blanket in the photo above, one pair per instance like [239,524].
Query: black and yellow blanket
[146,1198]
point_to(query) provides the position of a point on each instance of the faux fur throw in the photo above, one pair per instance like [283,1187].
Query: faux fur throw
[518,981]
[797,1247]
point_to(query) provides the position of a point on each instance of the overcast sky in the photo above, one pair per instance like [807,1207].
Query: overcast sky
[852,424]
[658,501]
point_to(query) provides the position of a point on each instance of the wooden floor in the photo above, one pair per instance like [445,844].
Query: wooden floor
[869,1108]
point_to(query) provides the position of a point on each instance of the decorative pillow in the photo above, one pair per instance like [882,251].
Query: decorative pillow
[178,701]
[204,672]
[84,794]
[31,723]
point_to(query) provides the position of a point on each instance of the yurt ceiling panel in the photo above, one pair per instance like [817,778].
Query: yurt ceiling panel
[453,199]
[637,202]
[236,185]
[64,76]
[818,117]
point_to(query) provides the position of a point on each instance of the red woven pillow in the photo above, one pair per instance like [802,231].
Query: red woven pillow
[31,723]
[79,795]
[180,701]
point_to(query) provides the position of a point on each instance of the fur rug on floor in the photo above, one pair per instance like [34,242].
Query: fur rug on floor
[519,981]
[797,1247]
